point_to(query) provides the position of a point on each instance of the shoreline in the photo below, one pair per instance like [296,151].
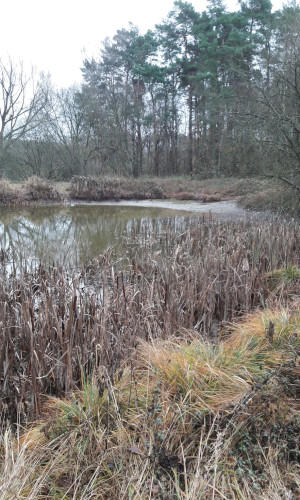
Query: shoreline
[223,209]
[251,194]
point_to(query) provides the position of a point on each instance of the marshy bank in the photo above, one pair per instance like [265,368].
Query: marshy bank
[138,380]
[250,193]
[84,188]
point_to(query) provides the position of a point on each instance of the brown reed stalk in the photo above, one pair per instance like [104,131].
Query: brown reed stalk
[57,322]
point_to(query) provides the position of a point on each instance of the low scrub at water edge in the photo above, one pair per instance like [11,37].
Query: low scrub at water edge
[253,193]
[35,189]
[126,188]
[278,198]
[8,195]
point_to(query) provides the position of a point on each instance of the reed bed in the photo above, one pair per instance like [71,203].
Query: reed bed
[183,420]
[59,323]
[171,373]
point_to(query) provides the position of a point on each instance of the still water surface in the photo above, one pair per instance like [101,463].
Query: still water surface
[68,230]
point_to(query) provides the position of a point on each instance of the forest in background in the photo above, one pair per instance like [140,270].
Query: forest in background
[207,94]
[171,371]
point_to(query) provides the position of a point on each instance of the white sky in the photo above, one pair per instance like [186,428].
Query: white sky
[56,35]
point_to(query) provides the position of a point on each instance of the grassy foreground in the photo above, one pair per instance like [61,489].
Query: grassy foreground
[172,374]
[183,419]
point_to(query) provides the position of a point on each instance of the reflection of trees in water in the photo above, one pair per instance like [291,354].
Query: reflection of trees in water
[32,236]
[50,230]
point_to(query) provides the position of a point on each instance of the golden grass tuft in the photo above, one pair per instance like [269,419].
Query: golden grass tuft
[285,280]
[150,402]
[185,419]
[198,372]
[214,376]
[270,331]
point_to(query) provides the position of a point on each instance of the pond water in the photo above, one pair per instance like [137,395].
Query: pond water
[68,230]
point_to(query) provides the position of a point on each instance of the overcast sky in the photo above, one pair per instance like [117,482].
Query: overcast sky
[56,35]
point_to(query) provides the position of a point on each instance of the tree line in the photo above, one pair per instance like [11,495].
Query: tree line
[205,93]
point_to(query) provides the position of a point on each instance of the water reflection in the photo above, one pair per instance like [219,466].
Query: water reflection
[38,231]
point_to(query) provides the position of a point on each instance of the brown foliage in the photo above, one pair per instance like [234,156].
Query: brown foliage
[37,189]
[56,323]
[8,195]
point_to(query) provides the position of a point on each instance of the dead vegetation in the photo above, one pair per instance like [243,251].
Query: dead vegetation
[183,419]
[57,322]
[37,189]
[115,188]
[8,195]
[147,377]
[251,193]
[34,190]
[124,188]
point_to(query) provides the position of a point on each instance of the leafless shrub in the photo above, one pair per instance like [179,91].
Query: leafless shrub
[108,188]
[37,189]
[8,195]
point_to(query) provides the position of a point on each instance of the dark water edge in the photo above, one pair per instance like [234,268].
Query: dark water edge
[70,233]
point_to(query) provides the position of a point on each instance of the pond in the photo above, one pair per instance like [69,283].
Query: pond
[73,232]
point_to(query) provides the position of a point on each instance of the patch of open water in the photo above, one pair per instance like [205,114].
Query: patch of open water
[72,232]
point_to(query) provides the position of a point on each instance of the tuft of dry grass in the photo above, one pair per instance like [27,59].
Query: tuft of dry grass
[183,420]
[146,377]
[284,282]
[57,322]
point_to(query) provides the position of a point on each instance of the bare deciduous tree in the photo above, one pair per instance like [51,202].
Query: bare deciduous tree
[21,101]
[279,110]
[70,129]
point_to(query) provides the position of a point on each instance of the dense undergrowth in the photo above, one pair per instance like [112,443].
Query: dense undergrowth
[251,193]
[35,189]
[145,378]
[182,419]
[126,188]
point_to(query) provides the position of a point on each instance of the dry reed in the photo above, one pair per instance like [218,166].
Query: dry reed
[57,323]
[219,428]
